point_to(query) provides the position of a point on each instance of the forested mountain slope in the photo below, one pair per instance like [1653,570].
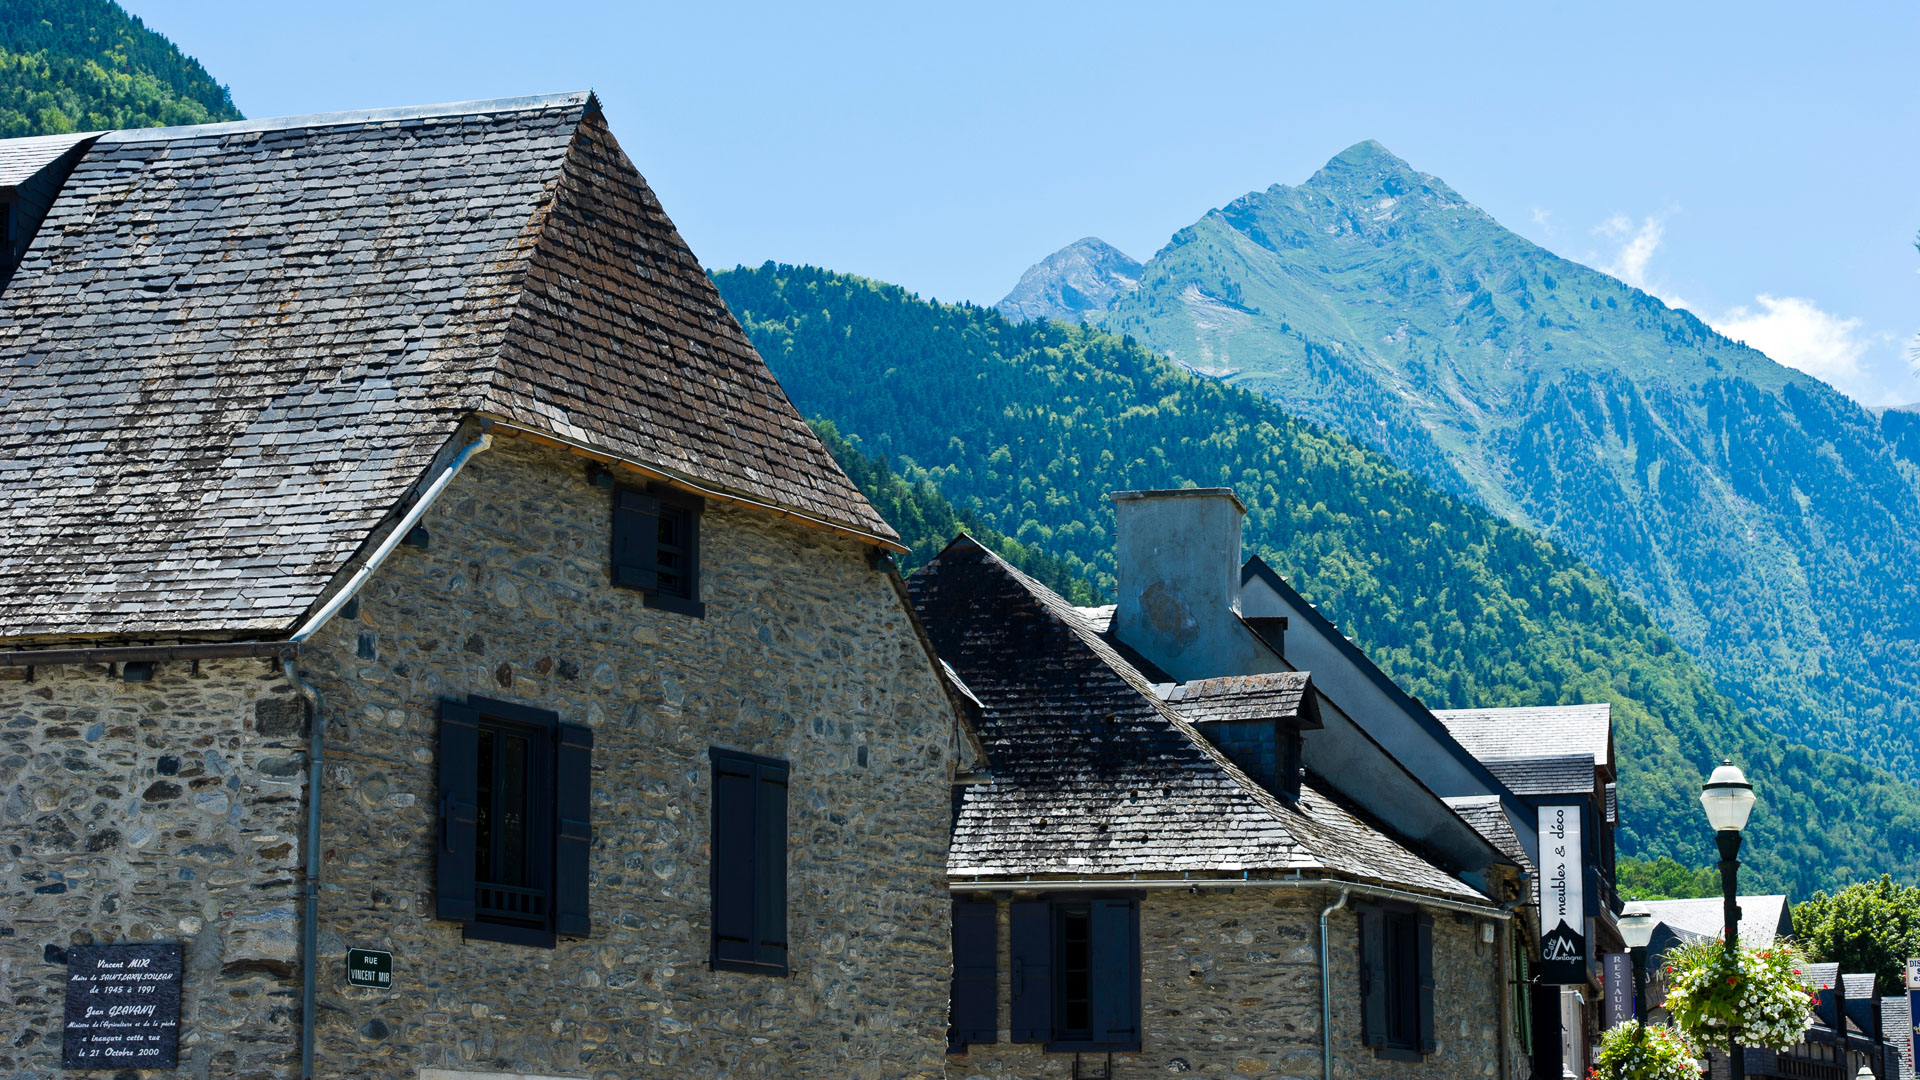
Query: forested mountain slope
[86,65]
[1028,427]
[1770,523]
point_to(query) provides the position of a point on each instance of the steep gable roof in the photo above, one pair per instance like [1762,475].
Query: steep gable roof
[232,350]
[1094,774]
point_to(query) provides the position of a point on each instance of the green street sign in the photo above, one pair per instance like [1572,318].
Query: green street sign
[370,967]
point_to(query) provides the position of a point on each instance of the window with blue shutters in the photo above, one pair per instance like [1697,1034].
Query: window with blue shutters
[1075,973]
[514,829]
[1396,981]
[656,547]
[749,871]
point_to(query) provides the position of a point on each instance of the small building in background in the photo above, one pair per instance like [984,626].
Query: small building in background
[1184,843]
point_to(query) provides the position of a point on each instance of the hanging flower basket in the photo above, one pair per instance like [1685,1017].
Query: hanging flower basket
[1755,997]
[1631,1052]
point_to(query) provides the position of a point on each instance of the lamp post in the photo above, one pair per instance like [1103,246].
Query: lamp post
[1728,799]
[1636,927]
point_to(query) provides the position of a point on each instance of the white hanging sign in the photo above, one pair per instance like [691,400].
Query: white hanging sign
[1563,908]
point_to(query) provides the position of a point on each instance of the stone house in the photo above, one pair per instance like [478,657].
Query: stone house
[408,553]
[1171,867]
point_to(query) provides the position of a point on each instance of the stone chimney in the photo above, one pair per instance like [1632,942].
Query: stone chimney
[1179,568]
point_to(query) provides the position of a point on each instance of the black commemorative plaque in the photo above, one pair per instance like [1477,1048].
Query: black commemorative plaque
[123,1007]
[370,967]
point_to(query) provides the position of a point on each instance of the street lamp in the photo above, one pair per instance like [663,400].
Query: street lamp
[1636,927]
[1728,799]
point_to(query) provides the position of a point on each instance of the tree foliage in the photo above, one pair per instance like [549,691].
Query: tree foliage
[927,522]
[1867,926]
[1663,879]
[87,65]
[1028,427]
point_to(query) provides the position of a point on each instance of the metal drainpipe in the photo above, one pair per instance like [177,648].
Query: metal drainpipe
[316,748]
[310,913]
[1326,990]
[399,532]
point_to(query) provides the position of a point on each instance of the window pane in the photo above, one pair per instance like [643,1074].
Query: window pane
[1403,981]
[483,854]
[1076,970]
[671,556]
[512,753]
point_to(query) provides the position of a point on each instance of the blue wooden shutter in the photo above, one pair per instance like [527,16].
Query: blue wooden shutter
[459,813]
[976,947]
[573,828]
[636,540]
[1424,962]
[1115,1005]
[1031,947]
[734,782]
[1373,977]
[770,866]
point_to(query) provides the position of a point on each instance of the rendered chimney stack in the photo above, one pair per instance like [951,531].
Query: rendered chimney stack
[1179,569]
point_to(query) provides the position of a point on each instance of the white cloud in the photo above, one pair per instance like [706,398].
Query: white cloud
[1791,330]
[1794,331]
[1544,219]
[1637,245]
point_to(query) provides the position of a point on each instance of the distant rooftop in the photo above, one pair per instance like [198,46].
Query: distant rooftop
[1532,732]
[1762,918]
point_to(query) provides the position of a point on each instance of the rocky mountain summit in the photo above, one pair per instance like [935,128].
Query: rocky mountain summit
[1765,519]
[1079,280]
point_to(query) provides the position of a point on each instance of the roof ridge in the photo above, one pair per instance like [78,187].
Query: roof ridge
[524,103]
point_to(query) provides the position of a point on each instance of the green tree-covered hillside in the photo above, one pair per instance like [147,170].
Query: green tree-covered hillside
[86,65]
[1028,427]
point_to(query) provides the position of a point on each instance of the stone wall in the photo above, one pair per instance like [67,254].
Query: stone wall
[1230,987]
[805,654]
[147,812]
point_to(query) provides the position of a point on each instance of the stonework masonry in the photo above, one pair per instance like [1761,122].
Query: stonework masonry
[162,811]
[805,654]
[1230,987]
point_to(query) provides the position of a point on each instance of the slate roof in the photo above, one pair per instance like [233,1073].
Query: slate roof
[232,350]
[1280,695]
[1490,820]
[21,158]
[1094,775]
[1859,987]
[1896,1026]
[1552,730]
[1762,918]
[1570,774]
[1818,976]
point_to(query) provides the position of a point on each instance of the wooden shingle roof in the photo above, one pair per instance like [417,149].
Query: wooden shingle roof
[232,350]
[1094,775]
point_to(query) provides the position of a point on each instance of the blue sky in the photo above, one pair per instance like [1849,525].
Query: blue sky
[1759,164]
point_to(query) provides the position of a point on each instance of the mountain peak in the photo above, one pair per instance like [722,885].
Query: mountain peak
[1367,171]
[1080,279]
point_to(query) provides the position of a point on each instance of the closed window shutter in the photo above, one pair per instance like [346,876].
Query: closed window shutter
[770,866]
[1031,949]
[636,540]
[573,828]
[459,812]
[976,947]
[1424,939]
[1115,1005]
[1373,978]
[733,856]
